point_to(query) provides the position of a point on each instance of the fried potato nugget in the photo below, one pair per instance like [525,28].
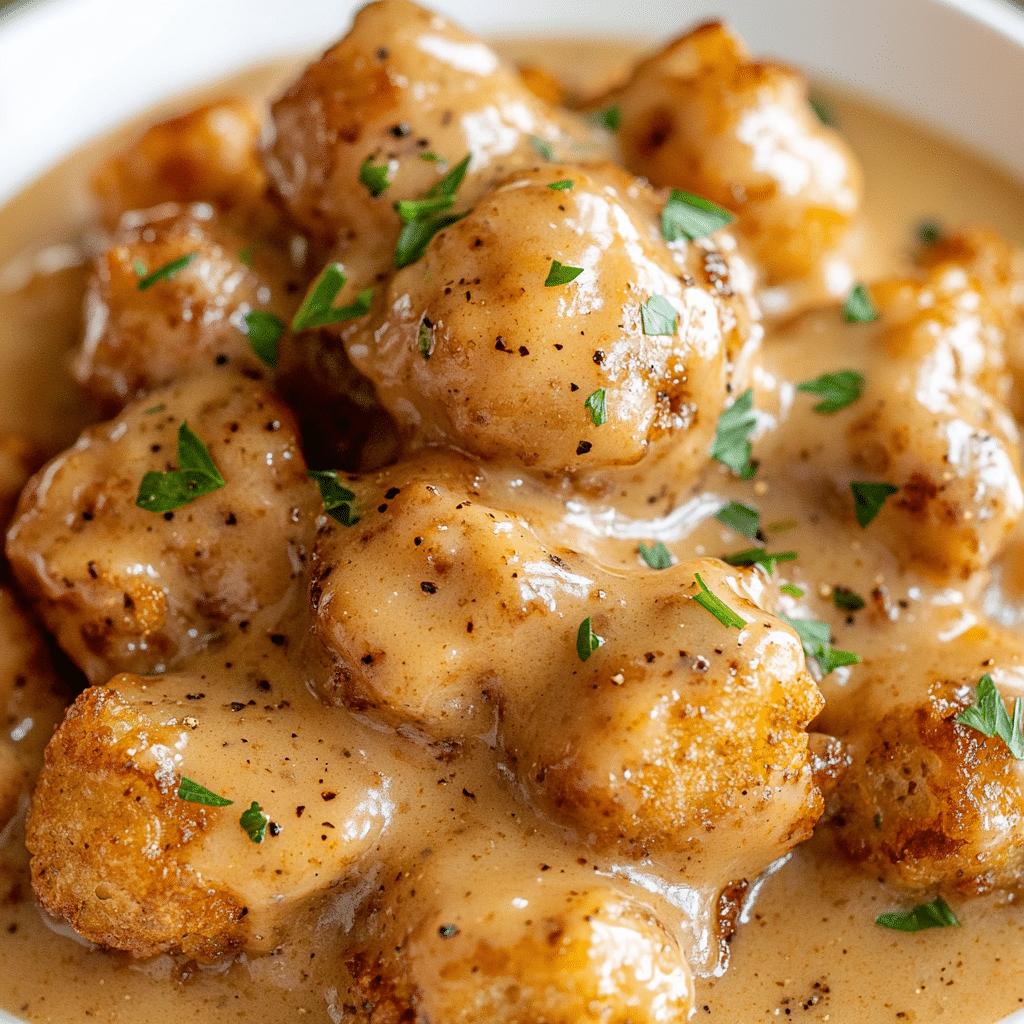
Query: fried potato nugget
[701,115]
[126,589]
[141,334]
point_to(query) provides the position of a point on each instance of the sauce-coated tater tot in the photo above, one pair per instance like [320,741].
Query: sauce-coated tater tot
[124,588]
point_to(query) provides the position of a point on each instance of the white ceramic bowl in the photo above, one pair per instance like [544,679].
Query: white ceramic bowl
[70,69]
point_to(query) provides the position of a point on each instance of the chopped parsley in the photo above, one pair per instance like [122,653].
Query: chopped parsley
[196,794]
[374,177]
[821,110]
[816,640]
[598,406]
[732,445]
[318,310]
[425,338]
[264,331]
[587,641]
[936,914]
[610,118]
[195,476]
[759,556]
[561,274]
[254,822]
[847,600]
[837,390]
[657,556]
[561,186]
[990,717]
[859,308]
[658,316]
[686,217]
[164,273]
[721,611]
[336,498]
[448,931]
[741,518]
[868,499]
[245,255]
[929,232]
[793,591]
[424,218]
[545,149]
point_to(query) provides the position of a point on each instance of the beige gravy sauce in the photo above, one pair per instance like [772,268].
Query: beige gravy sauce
[809,948]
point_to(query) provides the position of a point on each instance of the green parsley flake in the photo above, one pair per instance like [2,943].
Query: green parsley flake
[155,408]
[741,518]
[929,232]
[686,217]
[448,931]
[793,591]
[264,331]
[561,274]
[587,641]
[868,499]
[597,404]
[610,118]
[318,310]
[838,390]
[936,914]
[430,158]
[140,268]
[561,186]
[859,308]
[423,218]
[545,149]
[721,611]
[245,255]
[425,337]
[847,600]
[195,476]
[164,273]
[374,177]
[821,110]
[658,316]
[990,717]
[336,498]
[657,556]
[196,794]
[816,640]
[759,556]
[732,446]
[254,823]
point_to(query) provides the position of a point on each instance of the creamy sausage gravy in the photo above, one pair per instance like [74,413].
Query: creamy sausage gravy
[806,946]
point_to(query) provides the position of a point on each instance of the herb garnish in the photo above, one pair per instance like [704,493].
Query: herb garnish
[425,338]
[318,310]
[859,308]
[264,331]
[448,931]
[686,217]
[245,255]
[990,717]
[846,599]
[561,274]
[561,186]
[196,794]
[793,591]
[816,640]
[721,611]
[374,177]
[929,232]
[732,446]
[657,556]
[658,316]
[821,110]
[587,641]
[254,822]
[838,390]
[741,518]
[336,498]
[610,118]
[936,914]
[424,218]
[597,404]
[545,149]
[759,556]
[195,476]
[868,499]
[164,273]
